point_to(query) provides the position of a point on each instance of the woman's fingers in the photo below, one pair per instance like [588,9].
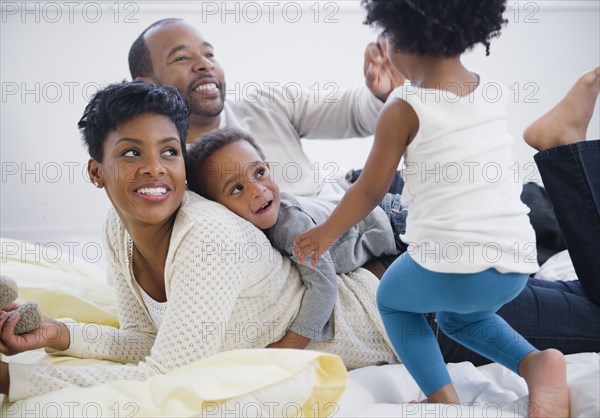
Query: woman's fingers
[3,319]
[7,332]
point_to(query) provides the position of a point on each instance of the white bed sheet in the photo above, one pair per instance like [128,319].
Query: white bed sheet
[485,391]
[384,391]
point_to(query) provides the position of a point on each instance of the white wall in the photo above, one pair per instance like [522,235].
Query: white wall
[54,55]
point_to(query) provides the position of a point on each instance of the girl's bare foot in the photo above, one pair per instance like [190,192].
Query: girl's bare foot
[567,122]
[445,394]
[546,375]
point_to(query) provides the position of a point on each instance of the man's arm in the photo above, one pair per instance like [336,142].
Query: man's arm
[349,113]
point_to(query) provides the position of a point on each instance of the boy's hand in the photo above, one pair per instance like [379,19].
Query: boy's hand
[291,340]
[316,241]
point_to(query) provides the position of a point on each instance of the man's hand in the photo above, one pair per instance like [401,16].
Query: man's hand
[380,75]
[291,340]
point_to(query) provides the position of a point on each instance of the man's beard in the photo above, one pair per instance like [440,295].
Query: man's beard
[208,108]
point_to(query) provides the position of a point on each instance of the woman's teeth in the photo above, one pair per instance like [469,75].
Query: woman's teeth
[153,191]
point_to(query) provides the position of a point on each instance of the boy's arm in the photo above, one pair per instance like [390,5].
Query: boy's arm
[314,318]
[290,340]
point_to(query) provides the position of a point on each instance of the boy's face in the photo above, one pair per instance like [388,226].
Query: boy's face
[238,178]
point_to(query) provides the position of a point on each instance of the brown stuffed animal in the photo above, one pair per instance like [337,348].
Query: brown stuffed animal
[31,315]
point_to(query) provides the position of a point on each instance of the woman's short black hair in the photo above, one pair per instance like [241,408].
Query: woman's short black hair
[119,103]
[204,148]
[437,27]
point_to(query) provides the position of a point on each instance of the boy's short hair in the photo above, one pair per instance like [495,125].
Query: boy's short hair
[204,148]
[119,103]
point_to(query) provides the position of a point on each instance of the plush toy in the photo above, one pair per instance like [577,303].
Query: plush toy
[31,315]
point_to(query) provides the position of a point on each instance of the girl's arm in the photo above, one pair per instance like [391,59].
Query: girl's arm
[396,126]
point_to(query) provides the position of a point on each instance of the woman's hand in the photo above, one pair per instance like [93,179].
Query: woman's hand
[4,378]
[50,334]
[316,241]
[291,340]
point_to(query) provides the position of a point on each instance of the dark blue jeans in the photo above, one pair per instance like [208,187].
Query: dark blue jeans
[571,174]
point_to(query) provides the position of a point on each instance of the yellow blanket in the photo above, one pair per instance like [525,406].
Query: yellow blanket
[236,383]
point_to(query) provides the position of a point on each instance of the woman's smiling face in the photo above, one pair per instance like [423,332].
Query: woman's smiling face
[143,170]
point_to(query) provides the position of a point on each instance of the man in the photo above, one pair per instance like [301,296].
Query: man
[174,53]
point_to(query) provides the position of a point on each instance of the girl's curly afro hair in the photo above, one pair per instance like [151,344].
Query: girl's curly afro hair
[437,27]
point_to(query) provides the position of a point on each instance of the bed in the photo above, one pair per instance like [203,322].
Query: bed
[253,382]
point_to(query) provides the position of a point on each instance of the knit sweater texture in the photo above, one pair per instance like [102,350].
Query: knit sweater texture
[227,289]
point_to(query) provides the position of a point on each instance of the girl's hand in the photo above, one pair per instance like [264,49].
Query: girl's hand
[51,334]
[316,241]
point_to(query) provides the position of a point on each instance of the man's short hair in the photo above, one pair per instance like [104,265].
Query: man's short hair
[140,63]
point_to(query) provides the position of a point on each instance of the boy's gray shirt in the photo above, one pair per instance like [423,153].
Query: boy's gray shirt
[370,238]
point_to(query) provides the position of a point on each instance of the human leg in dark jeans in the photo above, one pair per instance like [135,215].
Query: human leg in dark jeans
[571,174]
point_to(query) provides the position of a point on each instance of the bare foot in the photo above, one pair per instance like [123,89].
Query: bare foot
[546,375]
[567,122]
[445,394]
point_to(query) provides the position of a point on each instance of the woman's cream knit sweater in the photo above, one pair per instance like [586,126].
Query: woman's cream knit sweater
[227,288]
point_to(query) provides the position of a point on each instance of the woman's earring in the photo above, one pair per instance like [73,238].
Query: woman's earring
[96,184]
[186,182]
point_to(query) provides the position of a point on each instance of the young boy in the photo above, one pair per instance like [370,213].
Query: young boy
[228,166]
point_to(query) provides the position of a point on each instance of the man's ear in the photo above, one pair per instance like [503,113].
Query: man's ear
[146,79]
[95,173]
